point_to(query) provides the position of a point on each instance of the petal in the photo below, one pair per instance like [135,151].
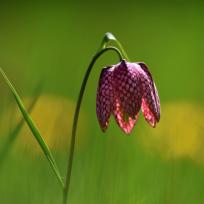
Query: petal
[150,100]
[148,114]
[127,88]
[104,100]
[125,122]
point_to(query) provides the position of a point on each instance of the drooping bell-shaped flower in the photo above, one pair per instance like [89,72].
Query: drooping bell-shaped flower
[123,90]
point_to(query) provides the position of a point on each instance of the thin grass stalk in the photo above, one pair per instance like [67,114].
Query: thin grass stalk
[14,133]
[34,129]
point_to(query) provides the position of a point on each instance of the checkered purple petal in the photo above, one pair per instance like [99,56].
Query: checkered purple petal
[105,97]
[150,99]
[128,89]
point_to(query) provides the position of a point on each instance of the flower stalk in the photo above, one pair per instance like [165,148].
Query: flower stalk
[76,116]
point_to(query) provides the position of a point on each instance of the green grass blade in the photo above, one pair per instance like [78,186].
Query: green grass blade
[14,133]
[34,130]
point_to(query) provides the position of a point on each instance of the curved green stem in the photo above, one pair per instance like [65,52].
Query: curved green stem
[108,37]
[34,129]
[76,116]
[122,50]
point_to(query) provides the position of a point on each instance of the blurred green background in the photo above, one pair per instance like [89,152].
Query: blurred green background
[54,42]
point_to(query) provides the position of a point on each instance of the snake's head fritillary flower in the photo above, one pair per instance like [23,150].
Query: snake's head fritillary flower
[123,90]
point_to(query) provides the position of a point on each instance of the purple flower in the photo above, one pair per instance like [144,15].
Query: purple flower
[123,89]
